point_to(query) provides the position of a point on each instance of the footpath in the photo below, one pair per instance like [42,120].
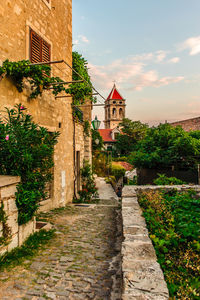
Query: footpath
[83,260]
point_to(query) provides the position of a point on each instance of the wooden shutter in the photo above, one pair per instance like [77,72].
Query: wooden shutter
[40,51]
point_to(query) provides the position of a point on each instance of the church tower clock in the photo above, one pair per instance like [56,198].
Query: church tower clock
[114,109]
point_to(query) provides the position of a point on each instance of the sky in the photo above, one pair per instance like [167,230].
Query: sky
[150,48]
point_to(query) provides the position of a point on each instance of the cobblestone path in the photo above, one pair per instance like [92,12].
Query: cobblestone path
[82,261]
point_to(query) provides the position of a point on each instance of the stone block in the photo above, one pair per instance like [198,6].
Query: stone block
[8,191]
[133,220]
[8,180]
[12,222]
[134,230]
[138,250]
[129,191]
[11,205]
[14,242]
[3,250]
[25,230]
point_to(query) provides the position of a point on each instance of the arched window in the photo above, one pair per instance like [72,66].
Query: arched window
[108,113]
[121,113]
[114,112]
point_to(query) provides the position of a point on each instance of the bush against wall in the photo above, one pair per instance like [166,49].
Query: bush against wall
[172,218]
[164,180]
[88,184]
[26,150]
[117,171]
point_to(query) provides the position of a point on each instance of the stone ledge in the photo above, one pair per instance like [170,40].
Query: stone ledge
[8,180]
[142,276]
[130,191]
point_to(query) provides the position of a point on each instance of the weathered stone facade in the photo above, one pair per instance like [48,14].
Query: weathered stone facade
[52,21]
[17,234]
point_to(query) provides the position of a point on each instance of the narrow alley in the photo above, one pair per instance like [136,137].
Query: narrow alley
[81,262]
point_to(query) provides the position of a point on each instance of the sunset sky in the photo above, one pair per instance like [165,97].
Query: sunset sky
[151,48]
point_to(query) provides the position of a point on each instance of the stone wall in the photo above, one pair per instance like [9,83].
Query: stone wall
[18,234]
[189,124]
[54,24]
[142,275]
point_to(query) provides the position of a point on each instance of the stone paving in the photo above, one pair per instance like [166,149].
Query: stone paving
[83,261]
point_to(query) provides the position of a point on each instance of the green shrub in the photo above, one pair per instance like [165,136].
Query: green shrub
[88,185]
[173,221]
[164,180]
[100,163]
[111,180]
[26,150]
[117,171]
[165,146]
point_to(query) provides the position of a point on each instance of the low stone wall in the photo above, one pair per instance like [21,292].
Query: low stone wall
[142,276]
[18,234]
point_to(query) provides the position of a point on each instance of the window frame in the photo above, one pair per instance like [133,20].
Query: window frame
[42,41]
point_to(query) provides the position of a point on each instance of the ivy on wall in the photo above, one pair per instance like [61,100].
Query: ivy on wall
[83,90]
[38,76]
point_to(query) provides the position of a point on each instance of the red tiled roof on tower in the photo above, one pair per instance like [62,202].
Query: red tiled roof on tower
[114,94]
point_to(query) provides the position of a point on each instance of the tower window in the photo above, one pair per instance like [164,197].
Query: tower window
[114,112]
[120,102]
[121,112]
[114,102]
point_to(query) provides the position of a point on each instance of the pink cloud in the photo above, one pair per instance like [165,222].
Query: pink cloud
[129,74]
[193,44]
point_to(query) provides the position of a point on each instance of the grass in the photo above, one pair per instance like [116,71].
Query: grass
[30,248]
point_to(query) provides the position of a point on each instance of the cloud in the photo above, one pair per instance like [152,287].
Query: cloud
[81,39]
[160,55]
[174,60]
[130,73]
[193,44]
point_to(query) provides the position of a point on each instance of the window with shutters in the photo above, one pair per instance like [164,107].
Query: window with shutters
[40,50]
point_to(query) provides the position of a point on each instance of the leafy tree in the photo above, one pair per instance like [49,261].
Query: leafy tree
[96,136]
[26,150]
[132,132]
[165,146]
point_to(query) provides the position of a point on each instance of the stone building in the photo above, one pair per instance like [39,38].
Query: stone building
[114,109]
[114,114]
[189,124]
[41,31]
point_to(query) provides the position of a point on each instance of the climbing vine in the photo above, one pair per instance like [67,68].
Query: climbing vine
[5,231]
[87,128]
[38,76]
[83,90]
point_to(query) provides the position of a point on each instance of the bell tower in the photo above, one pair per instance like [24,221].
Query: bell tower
[114,109]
